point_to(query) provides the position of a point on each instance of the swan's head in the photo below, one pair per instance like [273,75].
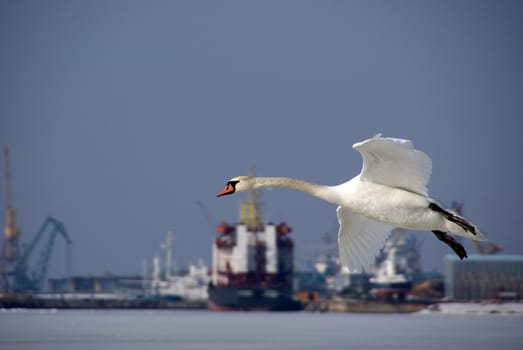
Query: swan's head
[237,184]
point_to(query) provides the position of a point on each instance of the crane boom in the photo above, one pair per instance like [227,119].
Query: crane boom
[34,280]
[7,178]
[207,215]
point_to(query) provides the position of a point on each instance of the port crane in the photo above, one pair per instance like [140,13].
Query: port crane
[10,249]
[34,280]
[14,263]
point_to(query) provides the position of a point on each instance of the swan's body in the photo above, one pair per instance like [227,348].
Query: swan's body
[390,191]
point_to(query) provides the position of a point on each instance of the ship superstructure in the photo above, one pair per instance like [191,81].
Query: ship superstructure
[252,267]
[191,286]
[398,262]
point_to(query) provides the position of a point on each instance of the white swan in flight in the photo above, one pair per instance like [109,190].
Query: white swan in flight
[389,192]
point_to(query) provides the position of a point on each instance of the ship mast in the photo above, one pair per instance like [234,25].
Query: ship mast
[11,231]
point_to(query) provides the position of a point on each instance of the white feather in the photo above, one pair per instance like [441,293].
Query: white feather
[359,239]
[394,163]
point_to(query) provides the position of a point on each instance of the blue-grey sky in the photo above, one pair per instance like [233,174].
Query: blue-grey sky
[121,115]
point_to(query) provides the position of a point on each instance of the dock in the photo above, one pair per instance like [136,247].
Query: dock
[31,302]
[364,306]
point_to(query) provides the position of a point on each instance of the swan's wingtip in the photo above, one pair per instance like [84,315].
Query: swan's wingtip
[479,236]
[361,143]
[379,137]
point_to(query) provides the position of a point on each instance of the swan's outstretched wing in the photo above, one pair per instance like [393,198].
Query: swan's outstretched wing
[359,239]
[394,163]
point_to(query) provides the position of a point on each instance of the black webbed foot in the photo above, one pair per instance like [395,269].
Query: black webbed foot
[464,224]
[451,242]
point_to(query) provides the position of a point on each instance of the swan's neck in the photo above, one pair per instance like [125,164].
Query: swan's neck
[320,191]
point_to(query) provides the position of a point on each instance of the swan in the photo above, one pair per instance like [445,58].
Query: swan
[389,192]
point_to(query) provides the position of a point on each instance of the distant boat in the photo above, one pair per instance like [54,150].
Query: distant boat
[191,286]
[252,265]
[400,260]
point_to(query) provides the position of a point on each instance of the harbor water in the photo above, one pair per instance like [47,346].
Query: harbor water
[186,330]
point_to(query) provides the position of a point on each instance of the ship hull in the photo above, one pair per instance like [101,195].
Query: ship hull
[391,290]
[232,298]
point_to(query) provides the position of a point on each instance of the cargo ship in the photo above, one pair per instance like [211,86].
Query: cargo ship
[252,264]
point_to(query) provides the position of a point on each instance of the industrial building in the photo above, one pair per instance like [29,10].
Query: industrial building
[483,277]
[106,284]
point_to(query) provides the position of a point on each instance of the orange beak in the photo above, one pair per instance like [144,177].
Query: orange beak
[227,190]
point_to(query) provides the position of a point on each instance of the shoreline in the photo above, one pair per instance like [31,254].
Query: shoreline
[96,302]
[366,306]
[13,302]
